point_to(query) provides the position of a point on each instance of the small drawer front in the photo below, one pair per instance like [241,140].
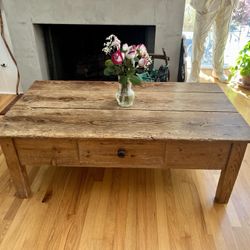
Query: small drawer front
[121,153]
[56,152]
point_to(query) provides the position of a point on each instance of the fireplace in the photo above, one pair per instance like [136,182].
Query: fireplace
[74,52]
[28,19]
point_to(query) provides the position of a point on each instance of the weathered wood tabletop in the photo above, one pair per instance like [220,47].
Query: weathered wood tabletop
[178,111]
[171,125]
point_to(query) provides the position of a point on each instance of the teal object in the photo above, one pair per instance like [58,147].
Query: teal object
[145,77]
[154,75]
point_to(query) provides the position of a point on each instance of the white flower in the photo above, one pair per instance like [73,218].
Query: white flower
[113,43]
[142,50]
[125,47]
[106,50]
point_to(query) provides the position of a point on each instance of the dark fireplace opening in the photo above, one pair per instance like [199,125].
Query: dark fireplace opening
[74,52]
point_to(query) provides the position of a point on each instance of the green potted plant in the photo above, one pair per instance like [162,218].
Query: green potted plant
[242,67]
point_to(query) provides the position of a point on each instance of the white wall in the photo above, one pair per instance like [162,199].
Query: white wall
[8,75]
[167,15]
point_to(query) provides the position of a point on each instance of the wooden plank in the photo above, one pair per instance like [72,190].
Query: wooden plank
[17,171]
[103,86]
[76,99]
[5,101]
[105,153]
[181,155]
[125,124]
[197,155]
[8,106]
[56,152]
[59,152]
[229,174]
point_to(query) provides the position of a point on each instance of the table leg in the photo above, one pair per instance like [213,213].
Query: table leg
[230,172]
[17,171]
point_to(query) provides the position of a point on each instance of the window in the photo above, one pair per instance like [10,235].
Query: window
[238,36]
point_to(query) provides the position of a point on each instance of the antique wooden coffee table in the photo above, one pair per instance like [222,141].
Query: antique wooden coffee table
[171,125]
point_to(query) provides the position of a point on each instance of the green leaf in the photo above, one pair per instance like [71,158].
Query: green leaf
[117,69]
[108,71]
[123,79]
[135,79]
[242,65]
[108,63]
[131,72]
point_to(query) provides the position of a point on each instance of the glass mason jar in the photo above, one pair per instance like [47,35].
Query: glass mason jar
[125,95]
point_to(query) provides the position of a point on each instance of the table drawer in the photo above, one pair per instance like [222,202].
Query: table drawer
[121,153]
[56,152]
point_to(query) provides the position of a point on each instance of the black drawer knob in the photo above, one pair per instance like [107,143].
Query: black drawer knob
[121,153]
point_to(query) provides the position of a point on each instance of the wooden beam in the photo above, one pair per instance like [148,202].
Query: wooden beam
[229,174]
[17,171]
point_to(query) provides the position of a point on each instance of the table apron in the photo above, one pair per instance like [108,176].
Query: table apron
[123,153]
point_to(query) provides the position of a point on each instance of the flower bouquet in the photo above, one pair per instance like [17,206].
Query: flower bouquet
[124,61]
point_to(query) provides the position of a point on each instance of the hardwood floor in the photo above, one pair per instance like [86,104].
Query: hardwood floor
[81,208]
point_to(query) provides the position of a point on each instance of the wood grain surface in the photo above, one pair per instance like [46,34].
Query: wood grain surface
[138,154]
[87,208]
[172,111]
[17,171]
[230,173]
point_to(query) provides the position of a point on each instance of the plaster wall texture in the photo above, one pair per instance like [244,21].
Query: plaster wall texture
[8,74]
[21,15]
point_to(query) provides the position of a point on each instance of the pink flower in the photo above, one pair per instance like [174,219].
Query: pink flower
[117,57]
[143,62]
[131,53]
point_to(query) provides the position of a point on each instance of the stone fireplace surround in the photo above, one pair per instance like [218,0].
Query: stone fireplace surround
[28,41]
